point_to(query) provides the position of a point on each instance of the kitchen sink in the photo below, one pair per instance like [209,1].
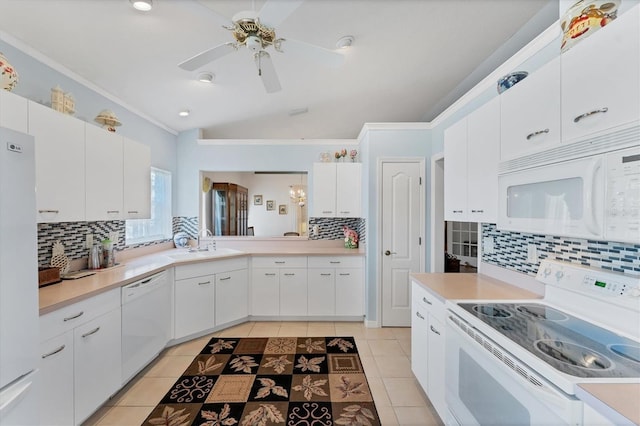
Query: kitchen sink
[186,255]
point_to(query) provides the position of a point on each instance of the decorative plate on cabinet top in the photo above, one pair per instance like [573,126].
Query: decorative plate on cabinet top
[181,239]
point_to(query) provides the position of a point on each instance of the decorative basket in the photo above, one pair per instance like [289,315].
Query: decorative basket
[47,276]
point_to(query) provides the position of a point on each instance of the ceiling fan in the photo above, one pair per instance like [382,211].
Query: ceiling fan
[256,31]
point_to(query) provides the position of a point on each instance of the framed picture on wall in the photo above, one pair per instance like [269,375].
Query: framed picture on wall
[271,205]
[282,209]
[257,200]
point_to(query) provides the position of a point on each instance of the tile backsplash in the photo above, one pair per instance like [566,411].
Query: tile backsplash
[510,251]
[330,228]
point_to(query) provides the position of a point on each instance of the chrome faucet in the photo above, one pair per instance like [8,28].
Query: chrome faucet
[204,233]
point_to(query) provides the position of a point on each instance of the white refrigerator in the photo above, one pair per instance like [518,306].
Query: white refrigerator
[19,323]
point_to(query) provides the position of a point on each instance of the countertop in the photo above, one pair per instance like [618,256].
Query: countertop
[67,292]
[452,286]
[620,403]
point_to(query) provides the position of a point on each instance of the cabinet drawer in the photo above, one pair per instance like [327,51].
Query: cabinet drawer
[65,319]
[335,261]
[209,268]
[427,300]
[280,262]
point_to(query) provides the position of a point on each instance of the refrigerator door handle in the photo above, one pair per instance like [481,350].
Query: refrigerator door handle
[11,397]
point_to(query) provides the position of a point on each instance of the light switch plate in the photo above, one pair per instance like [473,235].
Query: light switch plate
[488,245]
[532,253]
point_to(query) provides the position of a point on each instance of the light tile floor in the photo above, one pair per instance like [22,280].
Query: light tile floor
[385,354]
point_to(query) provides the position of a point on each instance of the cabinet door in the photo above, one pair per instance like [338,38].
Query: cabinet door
[103,174]
[265,292]
[435,361]
[293,291]
[483,153]
[60,195]
[324,189]
[232,296]
[530,113]
[601,72]
[348,189]
[455,171]
[194,302]
[97,360]
[137,180]
[13,112]
[419,343]
[56,373]
[349,292]
[321,292]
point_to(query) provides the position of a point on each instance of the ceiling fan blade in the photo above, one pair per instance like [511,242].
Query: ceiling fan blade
[207,56]
[274,12]
[315,53]
[267,72]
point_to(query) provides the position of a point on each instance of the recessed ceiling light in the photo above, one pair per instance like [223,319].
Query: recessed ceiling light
[345,42]
[184,113]
[206,77]
[143,5]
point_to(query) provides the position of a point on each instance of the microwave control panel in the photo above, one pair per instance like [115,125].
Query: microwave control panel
[622,215]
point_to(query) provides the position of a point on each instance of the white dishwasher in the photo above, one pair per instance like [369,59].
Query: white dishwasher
[146,322]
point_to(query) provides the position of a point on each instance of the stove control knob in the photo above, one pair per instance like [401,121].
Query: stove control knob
[559,275]
[546,271]
[634,292]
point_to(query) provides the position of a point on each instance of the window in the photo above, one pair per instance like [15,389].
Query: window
[462,241]
[159,227]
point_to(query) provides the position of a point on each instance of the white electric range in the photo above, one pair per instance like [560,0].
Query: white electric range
[519,362]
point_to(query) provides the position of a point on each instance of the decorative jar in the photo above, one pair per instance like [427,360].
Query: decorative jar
[8,74]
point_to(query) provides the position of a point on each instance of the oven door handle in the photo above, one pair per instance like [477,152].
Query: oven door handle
[591,183]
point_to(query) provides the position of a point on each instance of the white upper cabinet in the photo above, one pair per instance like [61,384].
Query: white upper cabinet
[530,113]
[337,189]
[483,151]
[60,184]
[104,174]
[455,171]
[600,83]
[137,180]
[13,112]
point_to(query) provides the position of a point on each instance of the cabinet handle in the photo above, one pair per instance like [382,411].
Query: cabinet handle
[205,283]
[55,351]
[325,275]
[419,315]
[534,134]
[590,113]
[113,211]
[94,331]
[270,274]
[327,211]
[133,212]
[477,211]
[289,275]
[225,278]
[49,211]
[344,274]
[457,211]
[279,262]
[334,261]
[73,317]
[434,330]
[425,300]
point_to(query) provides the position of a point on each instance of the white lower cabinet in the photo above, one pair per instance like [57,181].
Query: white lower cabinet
[428,345]
[279,286]
[591,417]
[293,292]
[194,303]
[336,286]
[80,354]
[56,366]
[97,359]
[265,292]
[321,297]
[231,296]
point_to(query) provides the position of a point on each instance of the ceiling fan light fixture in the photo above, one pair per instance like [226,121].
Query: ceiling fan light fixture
[184,113]
[345,42]
[142,5]
[206,77]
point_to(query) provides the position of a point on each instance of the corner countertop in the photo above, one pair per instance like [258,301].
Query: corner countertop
[67,292]
[618,402]
[452,286]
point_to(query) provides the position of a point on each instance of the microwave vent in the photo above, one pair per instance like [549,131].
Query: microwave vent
[621,138]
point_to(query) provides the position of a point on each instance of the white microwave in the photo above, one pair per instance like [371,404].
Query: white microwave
[595,197]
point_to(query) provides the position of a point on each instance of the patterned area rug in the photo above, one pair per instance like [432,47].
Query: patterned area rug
[271,381]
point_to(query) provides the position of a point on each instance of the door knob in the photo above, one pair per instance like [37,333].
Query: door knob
[389,253]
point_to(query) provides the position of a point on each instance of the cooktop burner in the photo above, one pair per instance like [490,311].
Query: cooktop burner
[567,343]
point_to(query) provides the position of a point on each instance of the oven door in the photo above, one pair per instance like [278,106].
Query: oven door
[488,386]
[560,199]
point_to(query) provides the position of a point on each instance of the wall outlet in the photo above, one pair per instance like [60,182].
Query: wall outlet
[316,230]
[488,245]
[532,253]
[89,241]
